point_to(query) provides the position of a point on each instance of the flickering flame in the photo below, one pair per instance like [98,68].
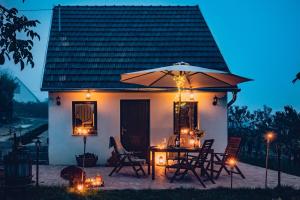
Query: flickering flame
[270,136]
[184,131]
[82,130]
[80,187]
[232,162]
[94,182]
[192,141]
[161,160]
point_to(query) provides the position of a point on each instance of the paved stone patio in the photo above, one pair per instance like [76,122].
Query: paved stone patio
[50,175]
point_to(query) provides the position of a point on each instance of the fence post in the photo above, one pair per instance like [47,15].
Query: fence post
[38,145]
[278,146]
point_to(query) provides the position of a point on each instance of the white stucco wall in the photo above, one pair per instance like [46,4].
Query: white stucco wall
[63,146]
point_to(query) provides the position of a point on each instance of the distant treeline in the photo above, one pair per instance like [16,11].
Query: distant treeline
[36,110]
[252,126]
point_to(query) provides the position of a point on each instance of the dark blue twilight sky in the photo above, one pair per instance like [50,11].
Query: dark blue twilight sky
[259,39]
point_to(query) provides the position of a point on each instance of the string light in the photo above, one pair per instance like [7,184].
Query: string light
[180,81]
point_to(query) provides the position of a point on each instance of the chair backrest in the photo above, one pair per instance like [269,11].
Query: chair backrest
[205,150]
[118,147]
[233,147]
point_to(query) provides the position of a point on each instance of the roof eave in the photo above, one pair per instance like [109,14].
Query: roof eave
[231,89]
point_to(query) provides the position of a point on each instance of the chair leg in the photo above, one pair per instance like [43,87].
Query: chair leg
[135,170]
[114,170]
[175,174]
[227,170]
[208,176]
[197,176]
[142,169]
[219,172]
[240,172]
[120,167]
[183,174]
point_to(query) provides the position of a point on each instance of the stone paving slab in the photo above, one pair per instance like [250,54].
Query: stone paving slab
[255,177]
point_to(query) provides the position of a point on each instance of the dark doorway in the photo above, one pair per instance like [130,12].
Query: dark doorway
[135,122]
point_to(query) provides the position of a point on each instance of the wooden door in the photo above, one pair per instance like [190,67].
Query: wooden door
[135,125]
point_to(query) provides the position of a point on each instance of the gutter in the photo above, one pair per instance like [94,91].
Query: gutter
[234,97]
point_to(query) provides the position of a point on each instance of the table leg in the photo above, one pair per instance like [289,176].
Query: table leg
[153,165]
[149,162]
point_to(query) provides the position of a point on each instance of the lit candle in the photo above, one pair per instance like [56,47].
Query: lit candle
[192,141]
[161,160]
[80,187]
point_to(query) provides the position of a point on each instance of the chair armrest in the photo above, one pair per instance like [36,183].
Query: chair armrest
[219,156]
[219,153]
[136,152]
[192,156]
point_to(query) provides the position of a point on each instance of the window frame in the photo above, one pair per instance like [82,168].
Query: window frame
[95,116]
[195,114]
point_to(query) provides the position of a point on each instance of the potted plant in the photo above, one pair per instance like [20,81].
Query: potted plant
[90,160]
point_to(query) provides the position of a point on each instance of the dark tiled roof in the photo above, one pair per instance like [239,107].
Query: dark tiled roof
[96,44]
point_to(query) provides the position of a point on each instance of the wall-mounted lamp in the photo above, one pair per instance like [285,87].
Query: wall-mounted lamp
[88,95]
[58,100]
[216,100]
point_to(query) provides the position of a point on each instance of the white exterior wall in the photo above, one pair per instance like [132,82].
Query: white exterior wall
[63,146]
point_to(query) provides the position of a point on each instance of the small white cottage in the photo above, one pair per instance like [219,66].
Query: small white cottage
[91,46]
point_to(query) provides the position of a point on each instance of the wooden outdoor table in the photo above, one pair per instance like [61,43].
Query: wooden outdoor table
[154,149]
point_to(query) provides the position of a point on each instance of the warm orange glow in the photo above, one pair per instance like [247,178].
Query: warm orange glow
[192,141]
[184,131]
[82,130]
[94,182]
[88,95]
[232,162]
[160,158]
[192,97]
[80,187]
[270,136]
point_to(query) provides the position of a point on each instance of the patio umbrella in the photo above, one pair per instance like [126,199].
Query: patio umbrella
[183,76]
[190,77]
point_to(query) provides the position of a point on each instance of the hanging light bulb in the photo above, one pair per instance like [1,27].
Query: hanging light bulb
[88,95]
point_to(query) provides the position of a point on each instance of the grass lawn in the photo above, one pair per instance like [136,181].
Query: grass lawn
[60,193]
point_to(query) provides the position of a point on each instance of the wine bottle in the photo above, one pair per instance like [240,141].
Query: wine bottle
[177,142]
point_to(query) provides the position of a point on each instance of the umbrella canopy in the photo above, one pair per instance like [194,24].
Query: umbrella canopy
[193,77]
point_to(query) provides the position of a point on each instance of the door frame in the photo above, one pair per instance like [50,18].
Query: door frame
[148,121]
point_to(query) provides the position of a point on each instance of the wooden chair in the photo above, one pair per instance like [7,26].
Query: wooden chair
[170,156]
[191,163]
[125,158]
[231,151]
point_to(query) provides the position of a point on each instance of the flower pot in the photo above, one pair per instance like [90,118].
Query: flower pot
[90,160]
